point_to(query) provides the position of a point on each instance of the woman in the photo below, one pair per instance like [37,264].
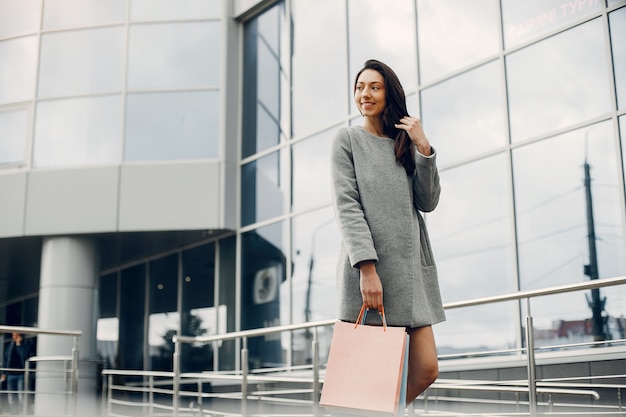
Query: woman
[384,174]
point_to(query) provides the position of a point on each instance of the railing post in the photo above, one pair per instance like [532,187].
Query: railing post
[244,377]
[25,393]
[176,368]
[532,381]
[110,395]
[150,396]
[74,376]
[316,372]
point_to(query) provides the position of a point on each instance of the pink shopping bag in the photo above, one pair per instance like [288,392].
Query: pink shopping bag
[364,375]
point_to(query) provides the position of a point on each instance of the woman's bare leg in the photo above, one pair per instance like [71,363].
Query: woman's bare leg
[423,364]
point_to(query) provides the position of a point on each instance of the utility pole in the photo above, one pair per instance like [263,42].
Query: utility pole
[596,303]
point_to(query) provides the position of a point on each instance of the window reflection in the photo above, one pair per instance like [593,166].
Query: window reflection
[199,315]
[311,171]
[164,320]
[19,17]
[264,82]
[174,55]
[132,313]
[83,131]
[227,301]
[525,20]
[61,14]
[13,128]
[567,318]
[18,70]
[465,116]
[107,333]
[569,86]
[479,328]
[171,126]
[82,62]
[263,269]
[455,33]
[175,9]
[264,189]
[617,21]
[384,33]
[552,208]
[471,231]
[319,92]
[315,245]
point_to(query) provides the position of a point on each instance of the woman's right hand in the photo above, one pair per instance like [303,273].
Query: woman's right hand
[371,286]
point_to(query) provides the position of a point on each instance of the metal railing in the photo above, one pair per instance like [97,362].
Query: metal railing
[252,385]
[70,367]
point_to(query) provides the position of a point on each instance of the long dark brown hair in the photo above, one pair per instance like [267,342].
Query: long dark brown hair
[395,109]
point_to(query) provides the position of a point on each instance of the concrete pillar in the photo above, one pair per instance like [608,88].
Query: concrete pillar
[68,300]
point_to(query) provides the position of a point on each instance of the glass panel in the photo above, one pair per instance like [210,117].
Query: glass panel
[82,131]
[370,37]
[454,33]
[13,131]
[199,315]
[263,82]
[227,301]
[617,21]
[473,246]
[19,17]
[263,269]
[60,14]
[553,95]
[465,115]
[573,321]
[82,62]
[311,171]
[315,245]
[164,320]
[18,70]
[170,126]
[107,333]
[480,328]
[132,315]
[524,20]
[174,55]
[264,187]
[175,9]
[554,214]
[319,93]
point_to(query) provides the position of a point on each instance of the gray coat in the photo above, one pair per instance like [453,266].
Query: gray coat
[377,206]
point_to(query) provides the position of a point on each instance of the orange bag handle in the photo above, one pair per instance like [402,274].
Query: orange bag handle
[363,314]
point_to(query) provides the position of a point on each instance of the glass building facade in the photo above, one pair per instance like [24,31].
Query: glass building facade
[185,145]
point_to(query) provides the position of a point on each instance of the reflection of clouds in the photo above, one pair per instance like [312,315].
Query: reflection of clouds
[465,116]
[551,207]
[471,231]
[454,33]
[61,14]
[78,131]
[385,33]
[311,171]
[13,135]
[18,69]
[174,55]
[319,84]
[82,62]
[559,81]
[617,21]
[19,17]
[317,228]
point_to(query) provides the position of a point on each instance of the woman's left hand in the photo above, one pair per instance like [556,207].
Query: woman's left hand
[413,126]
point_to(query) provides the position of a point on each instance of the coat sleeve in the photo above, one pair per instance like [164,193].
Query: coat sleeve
[351,220]
[426,186]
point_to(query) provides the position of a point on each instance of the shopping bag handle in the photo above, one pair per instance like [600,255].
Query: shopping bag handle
[363,315]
